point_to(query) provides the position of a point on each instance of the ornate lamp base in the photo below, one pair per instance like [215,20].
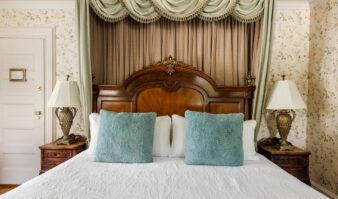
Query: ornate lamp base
[284,147]
[284,121]
[70,139]
[66,116]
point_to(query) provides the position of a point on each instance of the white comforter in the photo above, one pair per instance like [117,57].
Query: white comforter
[82,178]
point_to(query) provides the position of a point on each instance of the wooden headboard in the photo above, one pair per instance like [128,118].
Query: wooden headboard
[171,87]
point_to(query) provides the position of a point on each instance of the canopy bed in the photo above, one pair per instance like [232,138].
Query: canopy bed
[127,46]
[180,87]
[216,36]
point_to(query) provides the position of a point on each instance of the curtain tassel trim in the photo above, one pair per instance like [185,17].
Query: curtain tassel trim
[149,11]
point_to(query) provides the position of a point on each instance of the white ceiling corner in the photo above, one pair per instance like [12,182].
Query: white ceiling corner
[315,2]
[70,4]
[293,4]
[37,4]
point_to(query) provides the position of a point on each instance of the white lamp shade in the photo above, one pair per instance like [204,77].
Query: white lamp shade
[65,94]
[284,96]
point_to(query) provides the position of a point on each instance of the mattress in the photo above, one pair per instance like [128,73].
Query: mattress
[165,178]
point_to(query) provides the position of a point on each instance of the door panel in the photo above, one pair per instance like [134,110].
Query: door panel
[21,131]
[18,59]
[23,89]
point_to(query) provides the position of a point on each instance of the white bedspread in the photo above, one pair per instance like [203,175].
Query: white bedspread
[82,178]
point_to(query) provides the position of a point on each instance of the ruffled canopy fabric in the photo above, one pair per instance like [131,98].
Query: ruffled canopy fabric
[148,11]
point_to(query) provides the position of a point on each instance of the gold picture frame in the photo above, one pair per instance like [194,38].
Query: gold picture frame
[17,74]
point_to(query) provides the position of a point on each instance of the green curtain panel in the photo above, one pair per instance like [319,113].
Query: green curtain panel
[249,10]
[148,11]
[83,32]
[141,10]
[217,10]
[266,49]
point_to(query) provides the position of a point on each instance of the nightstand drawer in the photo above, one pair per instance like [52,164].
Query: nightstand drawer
[53,154]
[50,163]
[57,154]
[298,172]
[290,161]
[295,161]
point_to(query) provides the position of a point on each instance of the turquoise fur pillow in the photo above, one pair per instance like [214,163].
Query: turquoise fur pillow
[214,139]
[125,137]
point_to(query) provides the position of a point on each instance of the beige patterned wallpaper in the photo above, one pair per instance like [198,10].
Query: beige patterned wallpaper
[290,56]
[322,137]
[290,52]
[64,22]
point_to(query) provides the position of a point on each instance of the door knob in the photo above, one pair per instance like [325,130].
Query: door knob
[38,113]
[39,88]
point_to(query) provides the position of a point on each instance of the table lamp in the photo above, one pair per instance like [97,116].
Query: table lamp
[66,99]
[284,99]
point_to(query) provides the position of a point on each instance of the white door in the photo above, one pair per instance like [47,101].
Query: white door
[21,129]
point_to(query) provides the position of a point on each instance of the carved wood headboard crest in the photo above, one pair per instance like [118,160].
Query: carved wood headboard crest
[172,87]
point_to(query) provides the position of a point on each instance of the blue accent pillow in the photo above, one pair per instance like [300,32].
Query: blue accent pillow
[125,137]
[214,139]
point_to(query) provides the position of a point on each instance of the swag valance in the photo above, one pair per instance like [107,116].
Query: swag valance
[148,11]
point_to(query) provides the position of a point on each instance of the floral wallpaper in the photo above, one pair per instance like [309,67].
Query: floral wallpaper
[287,58]
[64,22]
[290,56]
[305,50]
[315,128]
[322,138]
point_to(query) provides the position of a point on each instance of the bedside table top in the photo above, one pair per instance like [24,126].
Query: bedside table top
[80,141]
[273,151]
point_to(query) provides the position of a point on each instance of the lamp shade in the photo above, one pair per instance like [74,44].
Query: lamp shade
[65,94]
[284,96]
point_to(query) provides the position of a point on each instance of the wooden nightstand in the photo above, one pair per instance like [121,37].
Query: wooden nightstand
[53,155]
[295,162]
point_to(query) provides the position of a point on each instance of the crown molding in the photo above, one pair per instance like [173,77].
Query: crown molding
[293,4]
[70,4]
[315,2]
[37,4]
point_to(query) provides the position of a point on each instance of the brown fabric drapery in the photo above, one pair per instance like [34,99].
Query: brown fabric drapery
[226,50]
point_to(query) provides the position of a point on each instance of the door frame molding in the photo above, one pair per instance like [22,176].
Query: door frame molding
[47,34]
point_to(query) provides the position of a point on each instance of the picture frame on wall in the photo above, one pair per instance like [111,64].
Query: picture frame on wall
[17,74]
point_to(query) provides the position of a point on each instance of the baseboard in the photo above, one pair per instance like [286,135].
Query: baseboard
[8,185]
[324,190]
[4,188]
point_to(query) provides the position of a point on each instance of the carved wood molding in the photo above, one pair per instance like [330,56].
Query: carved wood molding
[170,63]
[250,80]
[172,87]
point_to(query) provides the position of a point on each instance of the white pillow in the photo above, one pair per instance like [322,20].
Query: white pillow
[179,134]
[249,140]
[178,139]
[161,145]
[94,121]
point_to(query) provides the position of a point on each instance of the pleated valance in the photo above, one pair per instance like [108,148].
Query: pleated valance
[148,11]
